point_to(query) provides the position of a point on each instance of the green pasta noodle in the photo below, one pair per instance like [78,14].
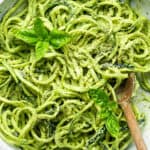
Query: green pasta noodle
[44,102]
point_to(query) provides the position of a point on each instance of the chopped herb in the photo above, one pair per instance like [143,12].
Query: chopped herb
[99,136]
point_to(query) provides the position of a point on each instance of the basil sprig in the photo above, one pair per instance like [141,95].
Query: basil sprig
[41,38]
[108,110]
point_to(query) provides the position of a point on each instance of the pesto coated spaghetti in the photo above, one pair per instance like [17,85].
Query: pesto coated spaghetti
[44,103]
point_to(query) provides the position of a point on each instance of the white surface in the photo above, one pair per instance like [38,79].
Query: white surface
[4,146]
[143,105]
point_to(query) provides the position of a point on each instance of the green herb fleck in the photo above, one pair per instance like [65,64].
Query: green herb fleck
[98,136]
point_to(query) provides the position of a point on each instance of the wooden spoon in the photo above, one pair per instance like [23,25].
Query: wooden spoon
[125,93]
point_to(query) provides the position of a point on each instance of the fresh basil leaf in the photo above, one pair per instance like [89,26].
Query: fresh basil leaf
[112,106]
[58,38]
[27,35]
[112,125]
[41,48]
[99,96]
[104,113]
[40,29]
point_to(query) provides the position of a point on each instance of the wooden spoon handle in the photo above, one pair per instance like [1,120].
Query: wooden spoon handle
[133,126]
